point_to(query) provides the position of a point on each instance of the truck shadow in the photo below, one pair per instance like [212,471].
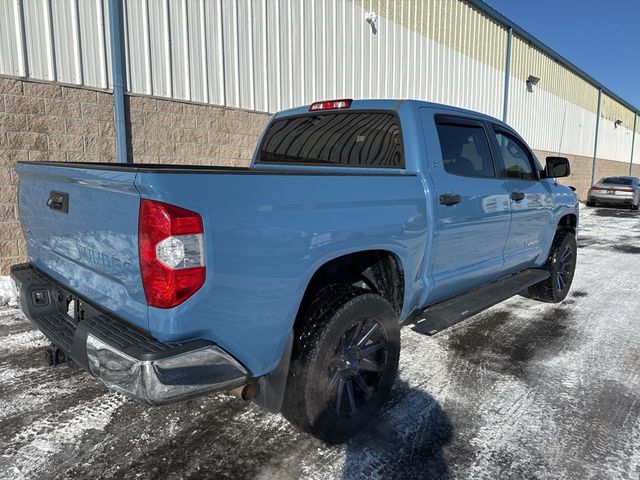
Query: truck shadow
[616,212]
[407,441]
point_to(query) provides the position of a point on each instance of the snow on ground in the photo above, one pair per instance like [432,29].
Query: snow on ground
[523,390]
[7,292]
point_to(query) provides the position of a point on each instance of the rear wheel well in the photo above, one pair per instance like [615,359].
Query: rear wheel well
[376,270]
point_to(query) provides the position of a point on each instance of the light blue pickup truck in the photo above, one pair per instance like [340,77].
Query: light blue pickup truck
[287,282]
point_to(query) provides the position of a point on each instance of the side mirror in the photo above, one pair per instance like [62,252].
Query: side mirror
[557,167]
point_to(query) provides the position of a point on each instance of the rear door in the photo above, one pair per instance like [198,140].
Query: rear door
[81,228]
[530,199]
[472,206]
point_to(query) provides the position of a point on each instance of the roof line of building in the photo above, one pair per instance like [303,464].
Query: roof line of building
[521,32]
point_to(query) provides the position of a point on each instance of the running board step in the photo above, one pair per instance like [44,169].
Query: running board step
[445,314]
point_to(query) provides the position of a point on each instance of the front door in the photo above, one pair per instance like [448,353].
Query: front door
[472,207]
[530,198]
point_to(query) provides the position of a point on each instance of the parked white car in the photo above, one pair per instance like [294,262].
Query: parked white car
[615,191]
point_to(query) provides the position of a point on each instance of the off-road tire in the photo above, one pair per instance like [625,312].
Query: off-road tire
[335,313]
[549,290]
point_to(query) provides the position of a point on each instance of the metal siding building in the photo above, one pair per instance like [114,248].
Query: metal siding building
[267,55]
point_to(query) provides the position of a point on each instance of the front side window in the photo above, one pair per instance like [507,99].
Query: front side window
[465,150]
[516,159]
[358,139]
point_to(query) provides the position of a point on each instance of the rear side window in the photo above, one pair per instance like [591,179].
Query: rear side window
[516,158]
[465,150]
[356,139]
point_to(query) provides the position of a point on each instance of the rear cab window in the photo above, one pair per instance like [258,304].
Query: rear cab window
[340,139]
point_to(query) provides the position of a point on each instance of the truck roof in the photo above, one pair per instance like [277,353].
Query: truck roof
[393,104]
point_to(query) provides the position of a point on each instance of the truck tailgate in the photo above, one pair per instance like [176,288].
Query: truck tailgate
[81,228]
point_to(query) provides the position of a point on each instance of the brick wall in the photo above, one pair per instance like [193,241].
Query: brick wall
[606,168]
[167,131]
[581,170]
[45,121]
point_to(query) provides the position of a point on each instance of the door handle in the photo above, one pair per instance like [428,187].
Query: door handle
[517,196]
[449,200]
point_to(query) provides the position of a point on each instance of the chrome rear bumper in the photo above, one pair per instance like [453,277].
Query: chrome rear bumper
[123,357]
[168,379]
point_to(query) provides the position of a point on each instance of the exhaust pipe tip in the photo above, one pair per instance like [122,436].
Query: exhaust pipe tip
[245,392]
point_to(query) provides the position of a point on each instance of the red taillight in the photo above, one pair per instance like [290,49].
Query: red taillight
[171,248]
[598,188]
[624,189]
[330,105]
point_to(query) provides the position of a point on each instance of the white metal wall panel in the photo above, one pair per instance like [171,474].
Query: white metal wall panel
[335,66]
[245,53]
[268,55]
[215,52]
[231,52]
[93,43]
[559,113]
[286,55]
[138,48]
[636,148]
[614,143]
[308,60]
[10,39]
[548,122]
[66,41]
[273,57]
[180,58]
[62,40]
[159,48]
[260,26]
[615,139]
[39,39]
[107,42]
[197,48]
[384,60]
[353,49]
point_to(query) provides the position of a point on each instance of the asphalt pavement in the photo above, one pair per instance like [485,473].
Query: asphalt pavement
[523,390]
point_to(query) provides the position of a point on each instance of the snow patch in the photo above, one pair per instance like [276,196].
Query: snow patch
[8,294]
[19,342]
[35,445]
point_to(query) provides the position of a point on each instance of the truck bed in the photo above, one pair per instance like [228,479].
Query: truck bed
[265,233]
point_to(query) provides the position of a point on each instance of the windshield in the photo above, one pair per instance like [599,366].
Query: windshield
[618,180]
[361,139]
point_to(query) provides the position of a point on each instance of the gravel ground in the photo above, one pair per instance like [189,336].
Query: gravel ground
[523,390]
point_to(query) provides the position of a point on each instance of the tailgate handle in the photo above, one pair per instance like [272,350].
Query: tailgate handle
[58,201]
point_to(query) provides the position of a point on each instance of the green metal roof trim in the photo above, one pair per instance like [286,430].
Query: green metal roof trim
[489,44]
[444,21]
[555,78]
[549,51]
